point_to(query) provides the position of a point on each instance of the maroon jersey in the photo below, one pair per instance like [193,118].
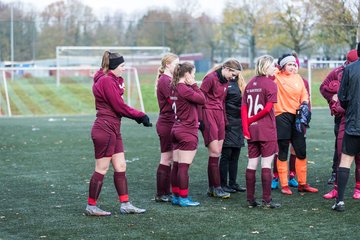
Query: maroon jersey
[108,90]
[185,100]
[259,91]
[163,93]
[214,91]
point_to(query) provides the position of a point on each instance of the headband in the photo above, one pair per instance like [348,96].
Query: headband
[115,62]
[286,60]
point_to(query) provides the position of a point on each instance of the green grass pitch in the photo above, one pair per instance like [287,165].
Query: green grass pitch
[46,164]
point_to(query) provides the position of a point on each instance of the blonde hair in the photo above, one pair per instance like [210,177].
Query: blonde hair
[166,59]
[262,65]
[180,70]
[241,83]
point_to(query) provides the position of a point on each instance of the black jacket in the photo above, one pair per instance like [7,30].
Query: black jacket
[349,97]
[233,130]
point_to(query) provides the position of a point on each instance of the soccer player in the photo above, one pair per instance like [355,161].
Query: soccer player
[329,89]
[259,127]
[292,159]
[186,97]
[212,116]
[234,138]
[108,88]
[292,115]
[349,97]
[164,125]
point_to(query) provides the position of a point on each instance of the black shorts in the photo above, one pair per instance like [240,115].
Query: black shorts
[351,145]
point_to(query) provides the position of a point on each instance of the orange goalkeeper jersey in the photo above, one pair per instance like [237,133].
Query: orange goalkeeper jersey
[291,93]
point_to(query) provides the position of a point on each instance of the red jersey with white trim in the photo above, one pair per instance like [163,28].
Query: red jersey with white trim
[214,91]
[163,93]
[185,100]
[259,91]
[108,90]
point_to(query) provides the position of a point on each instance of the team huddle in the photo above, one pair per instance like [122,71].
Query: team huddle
[272,112]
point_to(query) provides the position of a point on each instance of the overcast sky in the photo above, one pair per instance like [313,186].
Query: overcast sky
[131,7]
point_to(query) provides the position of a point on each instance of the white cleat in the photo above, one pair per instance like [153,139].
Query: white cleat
[127,208]
[95,211]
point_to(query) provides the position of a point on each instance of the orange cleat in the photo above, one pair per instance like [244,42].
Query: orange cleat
[330,195]
[307,188]
[286,190]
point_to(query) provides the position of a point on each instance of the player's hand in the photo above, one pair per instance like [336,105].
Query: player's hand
[146,121]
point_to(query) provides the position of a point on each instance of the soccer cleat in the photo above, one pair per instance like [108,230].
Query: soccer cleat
[275,183]
[293,183]
[187,202]
[238,188]
[95,211]
[332,179]
[175,200]
[127,208]
[356,194]
[286,190]
[307,188]
[163,198]
[253,204]
[330,195]
[228,189]
[270,204]
[218,192]
[340,206]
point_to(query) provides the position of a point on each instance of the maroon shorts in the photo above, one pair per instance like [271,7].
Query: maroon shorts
[106,138]
[214,125]
[261,148]
[163,130]
[184,139]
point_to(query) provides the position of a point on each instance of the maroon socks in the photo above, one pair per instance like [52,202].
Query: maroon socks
[121,186]
[95,185]
[214,172]
[163,180]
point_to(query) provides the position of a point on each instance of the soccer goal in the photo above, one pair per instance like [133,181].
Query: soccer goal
[139,61]
[316,64]
[4,100]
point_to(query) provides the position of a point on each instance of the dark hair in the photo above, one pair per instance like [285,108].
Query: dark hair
[180,70]
[110,61]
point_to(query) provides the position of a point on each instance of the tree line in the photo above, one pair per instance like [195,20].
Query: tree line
[246,28]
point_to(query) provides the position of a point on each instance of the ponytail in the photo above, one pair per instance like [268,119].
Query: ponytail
[105,61]
[180,70]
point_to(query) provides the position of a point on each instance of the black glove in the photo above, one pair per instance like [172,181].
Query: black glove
[298,123]
[201,126]
[144,120]
[305,114]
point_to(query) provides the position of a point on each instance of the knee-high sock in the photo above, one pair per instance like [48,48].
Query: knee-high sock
[174,179]
[121,186]
[183,179]
[161,179]
[214,172]
[343,176]
[292,167]
[266,184]
[168,181]
[301,170]
[250,184]
[282,167]
[275,170]
[95,185]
